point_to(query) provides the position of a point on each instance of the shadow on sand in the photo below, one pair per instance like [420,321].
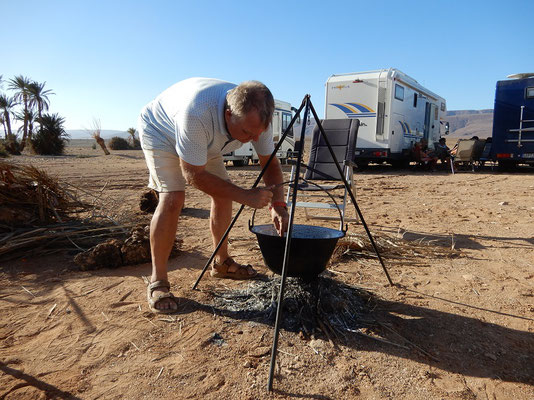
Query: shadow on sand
[447,341]
[461,241]
[50,391]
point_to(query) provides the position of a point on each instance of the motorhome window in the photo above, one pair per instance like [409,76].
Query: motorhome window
[415,99]
[399,92]
[443,107]
[435,114]
[530,93]
[286,120]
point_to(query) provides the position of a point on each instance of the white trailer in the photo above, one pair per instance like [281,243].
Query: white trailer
[281,119]
[395,111]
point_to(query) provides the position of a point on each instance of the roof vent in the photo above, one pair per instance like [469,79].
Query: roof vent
[521,76]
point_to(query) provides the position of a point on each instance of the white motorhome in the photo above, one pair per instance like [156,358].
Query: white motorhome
[281,119]
[395,111]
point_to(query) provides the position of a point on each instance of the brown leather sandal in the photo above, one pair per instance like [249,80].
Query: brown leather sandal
[153,300]
[242,271]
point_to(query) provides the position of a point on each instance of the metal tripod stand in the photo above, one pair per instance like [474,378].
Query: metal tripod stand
[306,104]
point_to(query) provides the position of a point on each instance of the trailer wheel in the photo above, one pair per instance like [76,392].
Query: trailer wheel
[239,163]
[362,164]
[507,165]
[400,164]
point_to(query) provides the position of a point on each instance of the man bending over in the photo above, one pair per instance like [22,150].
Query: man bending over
[184,132]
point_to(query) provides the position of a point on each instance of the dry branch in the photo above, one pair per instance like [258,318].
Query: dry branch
[358,246]
[95,133]
[30,196]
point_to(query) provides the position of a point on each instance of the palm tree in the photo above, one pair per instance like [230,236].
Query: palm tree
[6,105]
[3,122]
[52,137]
[39,97]
[132,132]
[30,117]
[21,84]
[131,139]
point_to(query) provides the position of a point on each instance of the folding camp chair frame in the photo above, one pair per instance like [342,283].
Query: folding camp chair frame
[348,167]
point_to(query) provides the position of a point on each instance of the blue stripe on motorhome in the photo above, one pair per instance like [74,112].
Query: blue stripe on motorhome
[343,108]
[354,115]
[361,107]
[403,127]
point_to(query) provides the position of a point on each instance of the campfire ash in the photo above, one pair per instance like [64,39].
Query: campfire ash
[321,305]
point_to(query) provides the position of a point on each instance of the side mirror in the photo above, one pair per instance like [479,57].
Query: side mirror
[446,128]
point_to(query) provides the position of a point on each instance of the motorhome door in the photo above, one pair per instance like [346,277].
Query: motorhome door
[430,111]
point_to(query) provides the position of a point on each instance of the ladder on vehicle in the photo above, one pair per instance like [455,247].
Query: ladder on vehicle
[521,129]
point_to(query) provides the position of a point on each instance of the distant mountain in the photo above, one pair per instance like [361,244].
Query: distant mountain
[104,133]
[468,123]
[463,124]
[463,112]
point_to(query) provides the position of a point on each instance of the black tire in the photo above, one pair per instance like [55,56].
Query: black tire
[239,163]
[507,165]
[362,164]
[400,164]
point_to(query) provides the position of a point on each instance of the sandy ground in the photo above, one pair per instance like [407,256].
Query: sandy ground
[458,328]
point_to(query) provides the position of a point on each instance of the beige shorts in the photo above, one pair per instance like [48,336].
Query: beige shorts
[166,173]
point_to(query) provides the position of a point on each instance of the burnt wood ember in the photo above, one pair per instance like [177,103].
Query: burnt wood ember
[322,304]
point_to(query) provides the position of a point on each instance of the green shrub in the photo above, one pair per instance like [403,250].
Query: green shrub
[11,145]
[51,138]
[118,143]
[3,152]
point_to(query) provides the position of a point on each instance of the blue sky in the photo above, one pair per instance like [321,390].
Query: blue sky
[107,59]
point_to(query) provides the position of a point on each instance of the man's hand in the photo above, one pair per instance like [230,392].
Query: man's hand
[280,219]
[258,197]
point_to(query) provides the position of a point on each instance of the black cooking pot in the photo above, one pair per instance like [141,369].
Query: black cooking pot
[310,251]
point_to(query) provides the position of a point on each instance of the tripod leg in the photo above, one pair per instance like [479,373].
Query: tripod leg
[287,252]
[353,199]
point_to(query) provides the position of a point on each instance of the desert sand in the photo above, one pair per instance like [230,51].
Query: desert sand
[457,327]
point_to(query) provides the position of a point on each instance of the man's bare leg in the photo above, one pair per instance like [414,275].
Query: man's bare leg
[162,234]
[220,218]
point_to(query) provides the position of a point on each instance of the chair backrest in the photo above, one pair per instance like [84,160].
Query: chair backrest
[478,148]
[342,135]
[465,150]
[486,152]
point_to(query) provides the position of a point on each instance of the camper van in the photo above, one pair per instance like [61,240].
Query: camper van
[394,110]
[513,121]
[281,120]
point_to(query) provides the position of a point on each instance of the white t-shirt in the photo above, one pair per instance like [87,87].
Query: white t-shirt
[188,118]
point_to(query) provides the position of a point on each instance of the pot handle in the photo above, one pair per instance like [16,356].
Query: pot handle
[343,229]
[251,220]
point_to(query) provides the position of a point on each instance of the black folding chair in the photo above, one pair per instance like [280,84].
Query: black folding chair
[321,173]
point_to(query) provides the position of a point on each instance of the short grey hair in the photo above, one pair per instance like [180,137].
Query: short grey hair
[248,96]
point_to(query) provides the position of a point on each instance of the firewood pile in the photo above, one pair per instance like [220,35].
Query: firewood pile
[40,215]
[30,197]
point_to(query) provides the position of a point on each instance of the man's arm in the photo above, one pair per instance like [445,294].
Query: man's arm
[273,176]
[216,187]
